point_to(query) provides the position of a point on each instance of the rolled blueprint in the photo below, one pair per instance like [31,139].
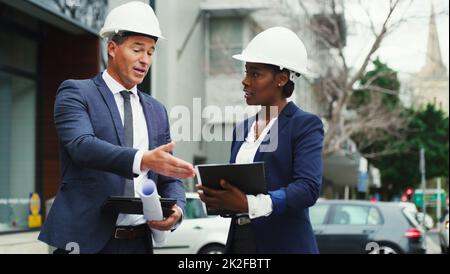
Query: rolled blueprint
[152,209]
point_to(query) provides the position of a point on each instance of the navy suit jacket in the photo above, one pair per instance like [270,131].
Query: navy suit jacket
[293,175]
[95,162]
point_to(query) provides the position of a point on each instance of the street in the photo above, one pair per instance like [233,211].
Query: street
[433,246]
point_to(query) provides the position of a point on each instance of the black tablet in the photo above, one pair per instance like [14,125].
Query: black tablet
[133,205]
[249,178]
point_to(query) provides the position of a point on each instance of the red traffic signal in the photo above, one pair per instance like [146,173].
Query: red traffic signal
[409,191]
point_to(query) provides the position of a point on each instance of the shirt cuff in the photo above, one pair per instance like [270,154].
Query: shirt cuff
[259,206]
[137,163]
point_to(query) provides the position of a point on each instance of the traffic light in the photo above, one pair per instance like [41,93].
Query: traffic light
[409,191]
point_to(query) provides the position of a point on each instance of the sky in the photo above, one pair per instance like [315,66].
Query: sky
[405,48]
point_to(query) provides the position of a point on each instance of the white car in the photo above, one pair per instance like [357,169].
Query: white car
[198,233]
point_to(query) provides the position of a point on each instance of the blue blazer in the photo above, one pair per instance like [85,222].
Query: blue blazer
[293,175]
[95,162]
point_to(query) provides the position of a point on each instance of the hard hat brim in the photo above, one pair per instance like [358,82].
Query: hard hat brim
[244,58]
[109,33]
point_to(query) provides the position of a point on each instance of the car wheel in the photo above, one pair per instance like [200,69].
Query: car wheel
[384,249]
[212,249]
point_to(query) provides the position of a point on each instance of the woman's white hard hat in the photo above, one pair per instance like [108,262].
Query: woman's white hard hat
[278,46]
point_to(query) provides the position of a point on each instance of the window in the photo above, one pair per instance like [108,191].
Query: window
[17,127]
[355,215]
[225,40]
[318,214]
[17,51]
[374,217]
[194,209]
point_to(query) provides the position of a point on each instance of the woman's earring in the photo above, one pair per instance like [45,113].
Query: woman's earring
[279,84]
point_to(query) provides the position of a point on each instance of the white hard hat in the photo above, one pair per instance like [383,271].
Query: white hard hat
[134,17]
[277,46]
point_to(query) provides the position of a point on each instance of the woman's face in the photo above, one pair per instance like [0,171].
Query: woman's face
[261,85]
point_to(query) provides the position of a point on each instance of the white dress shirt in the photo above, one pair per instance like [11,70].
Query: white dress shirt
[261,204]
[140,140]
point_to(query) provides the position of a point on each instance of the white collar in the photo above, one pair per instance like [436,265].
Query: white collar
[251,136]
[115,86]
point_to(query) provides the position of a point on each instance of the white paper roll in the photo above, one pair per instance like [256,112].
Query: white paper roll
[152,209]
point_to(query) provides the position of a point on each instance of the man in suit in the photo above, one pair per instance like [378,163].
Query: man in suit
[113,137]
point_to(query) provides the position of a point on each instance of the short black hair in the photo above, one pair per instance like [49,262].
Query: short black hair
[288,89]
[120,37]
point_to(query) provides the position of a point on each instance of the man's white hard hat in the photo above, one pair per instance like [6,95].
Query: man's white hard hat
[277,46]
[133,16]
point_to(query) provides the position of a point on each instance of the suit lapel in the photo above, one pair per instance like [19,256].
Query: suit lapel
[276,128]
[112,106]
[152,124]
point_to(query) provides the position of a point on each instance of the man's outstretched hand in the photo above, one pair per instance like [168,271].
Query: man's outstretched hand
[160,160]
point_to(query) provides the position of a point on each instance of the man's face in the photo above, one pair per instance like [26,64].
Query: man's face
[130,61]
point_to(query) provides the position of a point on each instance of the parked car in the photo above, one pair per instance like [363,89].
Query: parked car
[198,233]
[443,233]
[343,226]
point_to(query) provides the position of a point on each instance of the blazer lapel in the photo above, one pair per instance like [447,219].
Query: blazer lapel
[277,127]
[111,103]
[152,124]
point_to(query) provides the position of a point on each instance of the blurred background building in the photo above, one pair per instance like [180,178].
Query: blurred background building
[41,44]
[431,82]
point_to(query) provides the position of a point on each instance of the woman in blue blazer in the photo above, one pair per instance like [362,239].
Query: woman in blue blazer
[289,142]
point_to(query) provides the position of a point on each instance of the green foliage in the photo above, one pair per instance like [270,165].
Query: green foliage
[427,128]
[385,78]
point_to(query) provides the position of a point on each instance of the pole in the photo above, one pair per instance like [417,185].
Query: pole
[438,200]
[346,193]
[422,171]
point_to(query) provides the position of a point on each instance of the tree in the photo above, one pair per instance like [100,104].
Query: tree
[383,78]
[372,106]
[427,128]
[371,120]
[337,85]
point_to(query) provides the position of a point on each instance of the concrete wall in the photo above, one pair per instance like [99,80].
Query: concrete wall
[179,65]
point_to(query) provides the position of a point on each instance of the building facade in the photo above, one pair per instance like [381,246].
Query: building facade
[42,43]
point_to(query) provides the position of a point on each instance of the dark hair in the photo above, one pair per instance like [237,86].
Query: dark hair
[288,89]
[120,37]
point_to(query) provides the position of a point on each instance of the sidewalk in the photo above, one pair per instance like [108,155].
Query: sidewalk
[22,243]
[432,242]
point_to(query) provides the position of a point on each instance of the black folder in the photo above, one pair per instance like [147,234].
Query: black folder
[249,178]
[133,205]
